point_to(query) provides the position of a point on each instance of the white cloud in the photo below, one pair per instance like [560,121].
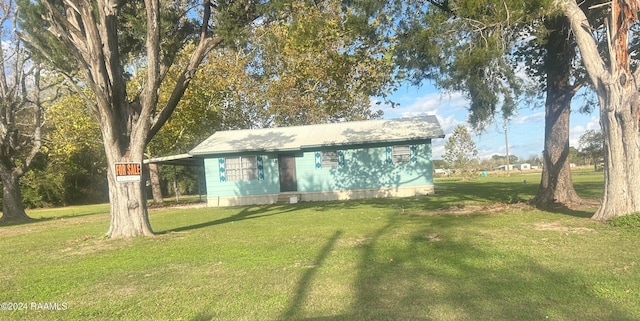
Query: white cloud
[531,118]
[448,124]
[577,131]
[437,148]
[435,103]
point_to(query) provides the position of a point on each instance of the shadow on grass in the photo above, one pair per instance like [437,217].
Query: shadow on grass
[31,220]
[590,190]
[42,219]
[438,276]
[448,194]
[487,191]
[48,214]
[565,210]
[246,213]
[304,284]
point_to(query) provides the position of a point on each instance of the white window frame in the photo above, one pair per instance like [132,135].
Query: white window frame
[241,168]
[330,159]
[401,154]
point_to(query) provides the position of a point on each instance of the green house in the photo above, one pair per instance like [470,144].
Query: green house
[361,159]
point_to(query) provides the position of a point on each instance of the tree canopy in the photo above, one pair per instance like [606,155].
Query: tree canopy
[592,146]
[468,46]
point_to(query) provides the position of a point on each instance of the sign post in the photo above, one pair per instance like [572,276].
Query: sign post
[128,172]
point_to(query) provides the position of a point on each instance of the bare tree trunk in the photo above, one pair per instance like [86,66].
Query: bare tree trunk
[129,215]
[12,208]
[154,177]
[619,121]
[617,90]
[556,185]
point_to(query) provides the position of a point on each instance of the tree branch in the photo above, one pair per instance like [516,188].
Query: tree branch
[443,5]
[205,46]
[595,66]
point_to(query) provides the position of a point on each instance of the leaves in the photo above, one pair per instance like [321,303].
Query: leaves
[468,46]
[460,150]
[592,144]
[313,68]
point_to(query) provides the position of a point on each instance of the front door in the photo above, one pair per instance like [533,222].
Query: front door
[287,166]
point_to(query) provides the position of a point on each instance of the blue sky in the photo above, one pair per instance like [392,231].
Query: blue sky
[525,131]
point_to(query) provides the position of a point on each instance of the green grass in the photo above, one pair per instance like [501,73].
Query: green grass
[463,254]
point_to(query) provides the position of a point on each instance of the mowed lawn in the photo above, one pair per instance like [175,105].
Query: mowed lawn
[474,251]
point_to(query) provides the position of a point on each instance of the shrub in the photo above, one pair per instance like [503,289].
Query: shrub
[629,221]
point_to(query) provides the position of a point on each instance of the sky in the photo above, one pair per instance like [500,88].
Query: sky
[525,132]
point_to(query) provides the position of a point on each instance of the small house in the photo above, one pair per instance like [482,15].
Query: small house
[348,160]
[505,167]
[523,166]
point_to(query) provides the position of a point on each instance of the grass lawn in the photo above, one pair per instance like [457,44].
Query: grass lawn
[463,254]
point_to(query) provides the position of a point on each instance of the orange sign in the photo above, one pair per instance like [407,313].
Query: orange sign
[128,172]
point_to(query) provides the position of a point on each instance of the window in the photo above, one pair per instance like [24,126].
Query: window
[241,168]
[330,159]
[401,154]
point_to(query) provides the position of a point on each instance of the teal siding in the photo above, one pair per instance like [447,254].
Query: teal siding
[363,168]
[269,185]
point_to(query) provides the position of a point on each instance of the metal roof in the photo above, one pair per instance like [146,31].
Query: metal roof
[180,160]
[321,135]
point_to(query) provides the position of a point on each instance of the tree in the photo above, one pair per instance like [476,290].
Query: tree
[502,159]
[460,151]
[471,46]
[562,82]
[22,100]
[101,39]
[466,46]
[316,67]
[592,146]
[75,154]
[615,82]
[534,160]
[439,164]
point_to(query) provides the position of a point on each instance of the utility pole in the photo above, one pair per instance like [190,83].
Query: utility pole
[506,142]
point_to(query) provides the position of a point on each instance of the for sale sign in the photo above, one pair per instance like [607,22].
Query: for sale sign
[128,172]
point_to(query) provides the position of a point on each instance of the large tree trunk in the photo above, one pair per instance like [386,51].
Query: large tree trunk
[556,185]
[619,121]
[129,215]
[154,177]
[12,208]
[617,90]
[128,210]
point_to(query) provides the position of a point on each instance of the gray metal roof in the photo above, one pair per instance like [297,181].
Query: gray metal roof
[321,135]
[180,160]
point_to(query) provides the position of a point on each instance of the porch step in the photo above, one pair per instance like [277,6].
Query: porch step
[288,198]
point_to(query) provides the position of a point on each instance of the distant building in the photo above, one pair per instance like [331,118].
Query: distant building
[523,166]
[442,172]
